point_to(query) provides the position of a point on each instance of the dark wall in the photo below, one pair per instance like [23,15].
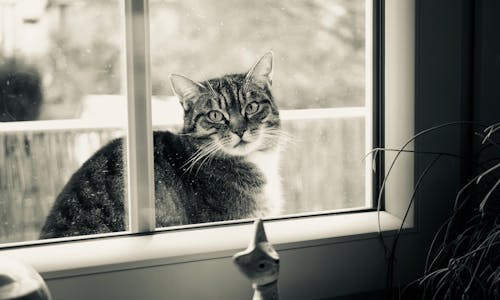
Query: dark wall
[486,106]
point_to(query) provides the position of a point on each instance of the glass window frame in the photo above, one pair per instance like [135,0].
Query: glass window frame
[140,179]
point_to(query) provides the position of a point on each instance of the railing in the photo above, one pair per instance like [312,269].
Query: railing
[322,168]
[117,124]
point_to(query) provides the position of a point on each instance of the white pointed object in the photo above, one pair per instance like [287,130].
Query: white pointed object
[260,263]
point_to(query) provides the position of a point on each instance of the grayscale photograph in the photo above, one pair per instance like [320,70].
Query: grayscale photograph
[261,149]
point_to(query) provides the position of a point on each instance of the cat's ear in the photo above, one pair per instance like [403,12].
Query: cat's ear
[262,72]
[186,89]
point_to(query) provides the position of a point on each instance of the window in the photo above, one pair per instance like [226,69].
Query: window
[322,84]
[324,256]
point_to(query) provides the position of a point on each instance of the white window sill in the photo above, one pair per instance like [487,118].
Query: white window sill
[65,259]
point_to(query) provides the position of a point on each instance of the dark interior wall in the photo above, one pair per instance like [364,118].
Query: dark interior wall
[443,87]
[486,108]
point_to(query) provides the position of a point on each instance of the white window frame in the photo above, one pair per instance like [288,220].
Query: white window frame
[140,174]
[329,244]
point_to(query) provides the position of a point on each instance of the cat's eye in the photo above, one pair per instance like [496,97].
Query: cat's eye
[215,116]
[252,108]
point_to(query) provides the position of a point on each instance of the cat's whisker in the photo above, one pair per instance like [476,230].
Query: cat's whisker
[210,160]
[207,158]
[200,155]
[283,138]
[195,156]
[200,149]
[209,155]
[281,144]
[211,89]
[283,134]
[186,134]
[195,161]
[225,141]
[278,131]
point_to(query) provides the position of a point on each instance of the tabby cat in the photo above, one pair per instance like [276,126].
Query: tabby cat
[222,166]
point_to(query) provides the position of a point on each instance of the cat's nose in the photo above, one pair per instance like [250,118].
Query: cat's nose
[240,132]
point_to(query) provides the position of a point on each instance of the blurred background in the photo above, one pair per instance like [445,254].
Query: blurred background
[61,65]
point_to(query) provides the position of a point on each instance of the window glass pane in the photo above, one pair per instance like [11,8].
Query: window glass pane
[325,177]
[319,46]
[318,84]
[61,67]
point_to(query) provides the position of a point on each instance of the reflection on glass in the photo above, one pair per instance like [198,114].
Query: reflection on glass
[60,65]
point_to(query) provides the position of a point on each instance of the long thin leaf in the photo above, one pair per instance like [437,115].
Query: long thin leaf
[483,202]
[481,176]
[490,130]
[398,234]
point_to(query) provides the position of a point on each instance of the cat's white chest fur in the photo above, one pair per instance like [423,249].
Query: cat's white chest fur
[269,202]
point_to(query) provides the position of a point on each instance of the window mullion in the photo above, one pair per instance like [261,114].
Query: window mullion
[140,139]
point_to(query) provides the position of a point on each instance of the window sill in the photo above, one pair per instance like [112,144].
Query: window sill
[67,259]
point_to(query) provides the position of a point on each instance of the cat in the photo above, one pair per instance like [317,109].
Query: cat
[223,165]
